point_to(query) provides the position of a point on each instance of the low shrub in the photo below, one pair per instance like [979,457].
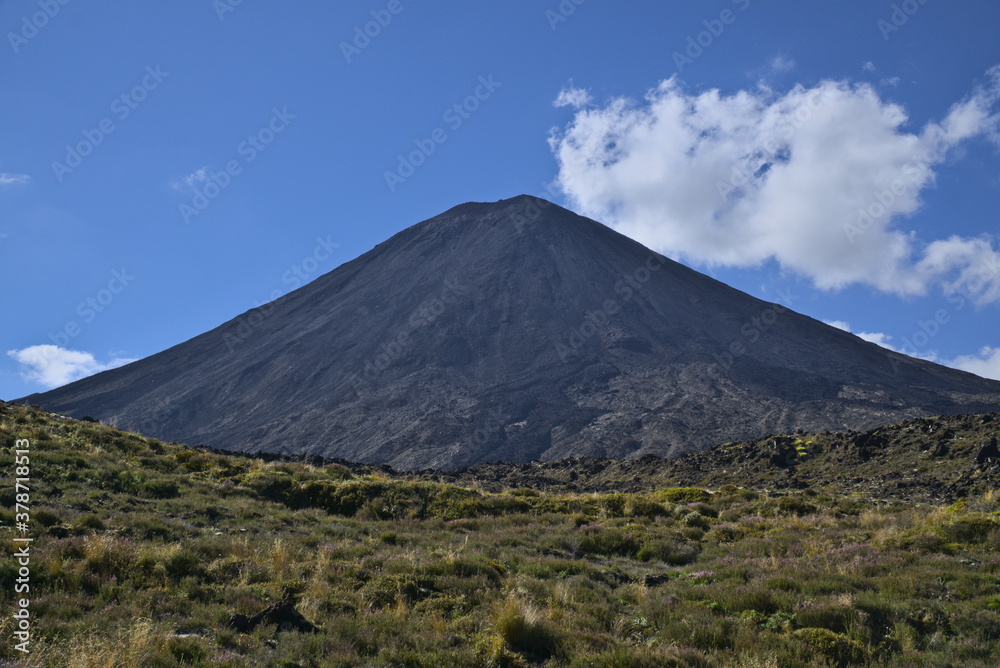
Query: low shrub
[610,542]
[518,626]
[695,520]
[795,505]
[160,488]
[641,506]
[837,649]
[668,551]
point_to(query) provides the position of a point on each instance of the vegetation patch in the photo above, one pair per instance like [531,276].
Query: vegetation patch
[150,554]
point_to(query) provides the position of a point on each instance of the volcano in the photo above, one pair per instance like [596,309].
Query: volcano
[514,331]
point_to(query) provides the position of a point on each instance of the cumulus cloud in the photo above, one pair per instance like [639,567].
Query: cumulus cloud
[868,66]
[52,366]
[985,364]
[839,324]
[7,179]
[817,179]
[878,338]
[573,97]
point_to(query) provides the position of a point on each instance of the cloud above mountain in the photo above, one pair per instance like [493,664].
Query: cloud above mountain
[819,179]
[985,363]
[53,366]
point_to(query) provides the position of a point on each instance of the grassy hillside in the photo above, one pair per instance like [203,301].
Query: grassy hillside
[144,552]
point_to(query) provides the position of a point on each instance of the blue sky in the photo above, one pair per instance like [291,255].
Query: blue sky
[166,166]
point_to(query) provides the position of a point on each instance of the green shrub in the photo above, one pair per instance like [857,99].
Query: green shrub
[452,502]
[610,542]
[726,533]
[338,472]
[148,527]
[612,505]
[795,505]
[696,521]
[117,480]
[923,539]
[743,599]
[668,551]
[834,647]
[388,590]
[271,484]
[692,533]
[160,488]
[704,510]
[470,568]
[186,650]
[970,529]
[640,506]
[182,564]
[91,521]
[518,626]
[47,518]
[834,618]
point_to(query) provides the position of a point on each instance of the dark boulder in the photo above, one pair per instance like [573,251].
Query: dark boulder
[988,454]
[282,614]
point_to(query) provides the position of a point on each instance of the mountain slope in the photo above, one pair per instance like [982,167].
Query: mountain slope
[514,330]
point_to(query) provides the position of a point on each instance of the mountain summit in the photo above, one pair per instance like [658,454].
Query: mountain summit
[514,330]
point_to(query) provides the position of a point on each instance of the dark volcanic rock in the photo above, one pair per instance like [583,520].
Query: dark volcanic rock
[514,331]
[282,614]
[988,453]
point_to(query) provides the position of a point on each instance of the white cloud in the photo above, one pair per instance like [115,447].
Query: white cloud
[192,180]
[573,97]
[872,337]
[892,82]
[782,63]
[53,366]
[7,179]
[878,338]
[972,266]
[817,179]
[868,66]
[985,364]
